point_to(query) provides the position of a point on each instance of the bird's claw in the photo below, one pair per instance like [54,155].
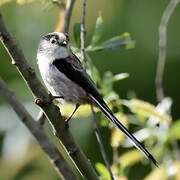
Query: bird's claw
[52,98]
[67,123]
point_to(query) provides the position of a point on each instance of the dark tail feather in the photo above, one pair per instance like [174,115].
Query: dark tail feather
[104,108]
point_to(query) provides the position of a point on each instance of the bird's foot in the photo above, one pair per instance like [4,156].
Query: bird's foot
[52,98]
[67,123]
[69,118]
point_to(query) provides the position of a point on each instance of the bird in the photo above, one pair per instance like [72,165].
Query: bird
[65,77]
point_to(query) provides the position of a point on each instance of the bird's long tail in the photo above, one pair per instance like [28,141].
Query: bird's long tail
[108,113]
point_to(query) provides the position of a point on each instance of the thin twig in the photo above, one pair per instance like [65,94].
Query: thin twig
[68,12]
[101,146]
[83,31]
[162,57]
[42,99]
[162,47]
[55,157]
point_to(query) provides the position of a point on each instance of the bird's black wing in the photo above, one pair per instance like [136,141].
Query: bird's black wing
[72,68]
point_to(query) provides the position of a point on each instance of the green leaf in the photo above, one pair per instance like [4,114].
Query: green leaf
[77,32]
[123,40]
[158,173]
[174,132]
[118,41]
[2,2]
[98,31]
[107,83]
[130,157]
[104,174]
[22,2]
[117,137]
[146,110]
[92,70]
[120,76]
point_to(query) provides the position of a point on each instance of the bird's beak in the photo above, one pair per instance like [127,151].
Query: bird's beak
[64,43]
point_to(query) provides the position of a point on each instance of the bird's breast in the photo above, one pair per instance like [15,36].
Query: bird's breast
[60,85]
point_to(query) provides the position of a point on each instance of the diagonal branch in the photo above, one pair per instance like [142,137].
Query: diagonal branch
[162,47]
[43,100]
[41,118]
[52,152]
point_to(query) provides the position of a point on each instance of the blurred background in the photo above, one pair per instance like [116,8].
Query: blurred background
[21,157]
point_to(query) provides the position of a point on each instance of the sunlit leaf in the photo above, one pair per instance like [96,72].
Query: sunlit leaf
[117,136]
[92,70]
[111,96]
[146,109]
[103,172]
[107,83]
[120,76]
[176,165]
[98,31]
[76,32]
[174,131]
[22,2]
[130,158]
[102,119]
[157,173]
[2,2]
[141,135]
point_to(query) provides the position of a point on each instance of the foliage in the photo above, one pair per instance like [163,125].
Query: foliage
[154,121]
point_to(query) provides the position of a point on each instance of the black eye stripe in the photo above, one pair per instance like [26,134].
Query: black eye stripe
[56,37]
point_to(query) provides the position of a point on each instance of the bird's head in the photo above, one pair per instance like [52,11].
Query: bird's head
[54,45]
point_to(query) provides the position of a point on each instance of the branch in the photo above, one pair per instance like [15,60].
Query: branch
[41,118]
[83,31]
[162,56]
[52,152]
[101,146]
[162,47]
[68,12]
[60,23]
[65,12]
[43,100]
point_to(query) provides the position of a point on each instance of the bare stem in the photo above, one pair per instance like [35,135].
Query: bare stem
[55,157]
[83,31]
[68,12]
[162,56]
[162,47]
[42,99]
[60,23]
[101,146]
[65,12]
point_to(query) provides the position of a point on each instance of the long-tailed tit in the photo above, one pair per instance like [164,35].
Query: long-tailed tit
[64,76]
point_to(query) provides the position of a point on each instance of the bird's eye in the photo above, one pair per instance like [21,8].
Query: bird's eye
[53,40]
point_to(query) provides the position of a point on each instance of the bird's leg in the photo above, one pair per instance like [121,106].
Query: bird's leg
[69,118]
[52,98]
